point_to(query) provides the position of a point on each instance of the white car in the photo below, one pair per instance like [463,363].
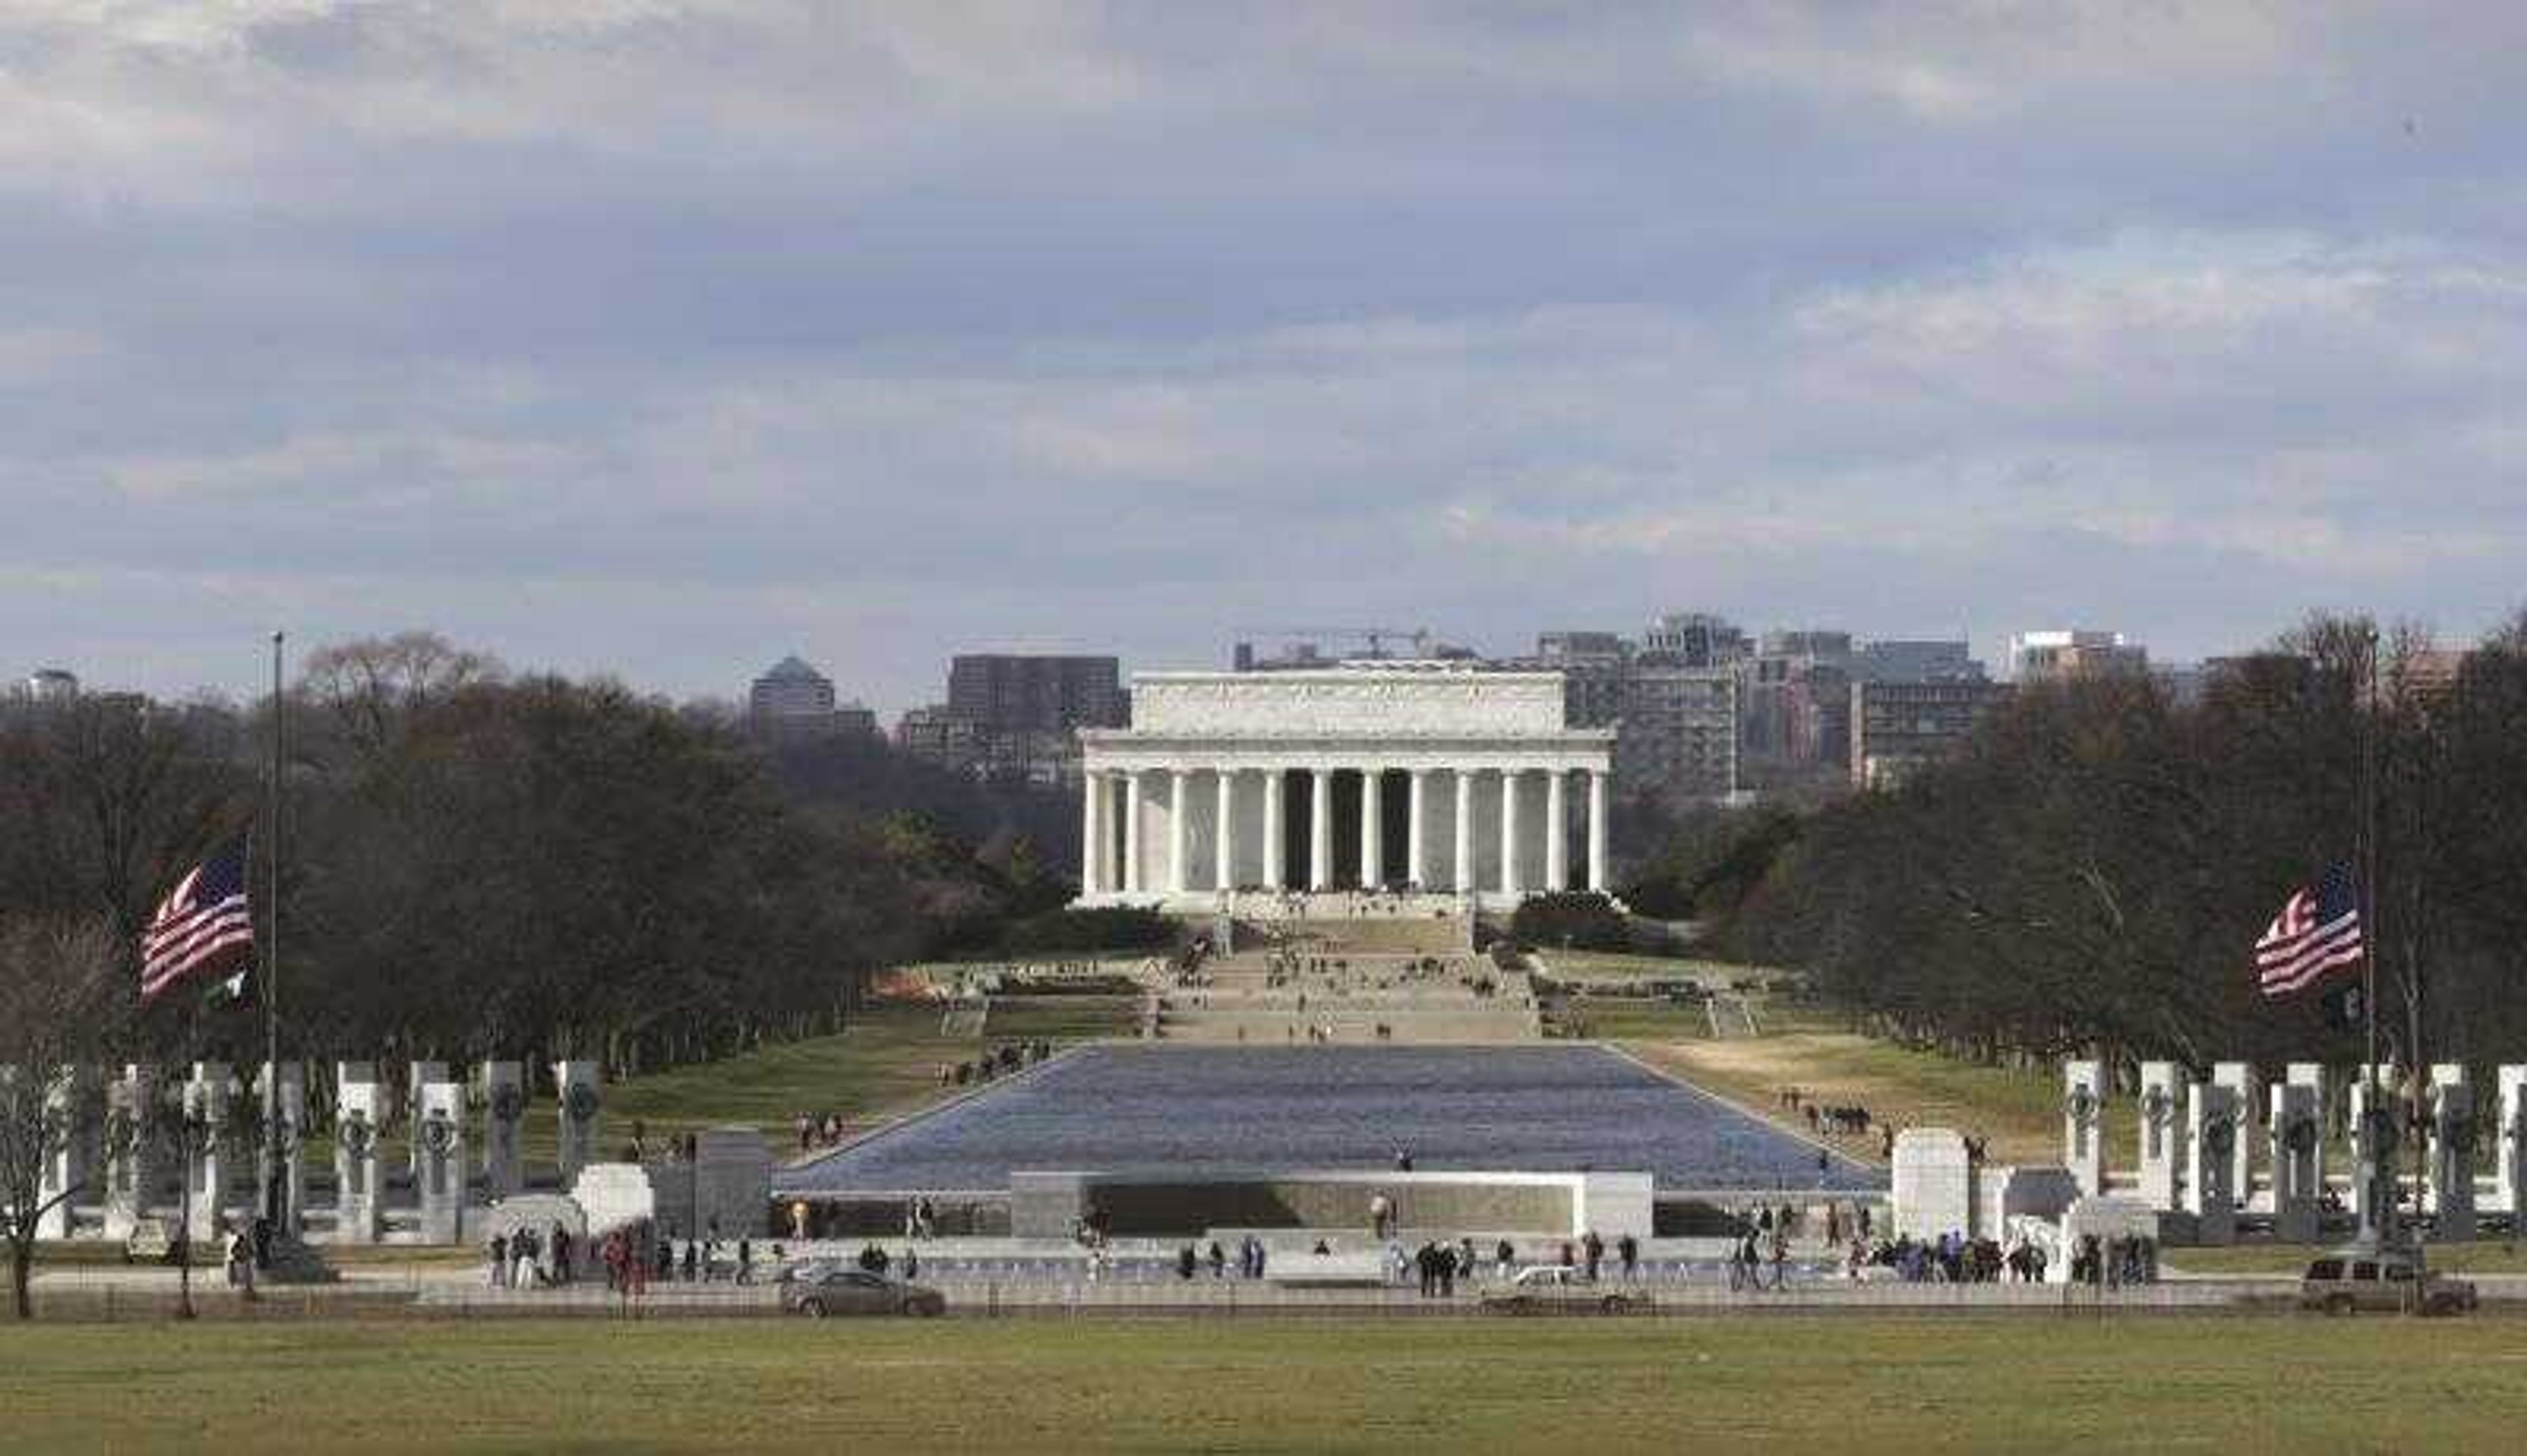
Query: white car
[1562,1289]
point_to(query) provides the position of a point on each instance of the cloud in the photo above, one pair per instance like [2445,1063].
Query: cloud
[666,336]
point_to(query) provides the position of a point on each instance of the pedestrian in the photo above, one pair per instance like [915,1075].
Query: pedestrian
[499,1261]
[1628,1250]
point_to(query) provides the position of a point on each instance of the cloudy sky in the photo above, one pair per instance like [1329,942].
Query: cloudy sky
[666,336]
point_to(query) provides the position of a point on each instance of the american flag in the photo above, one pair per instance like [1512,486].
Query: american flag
[2318,930]
[204,926]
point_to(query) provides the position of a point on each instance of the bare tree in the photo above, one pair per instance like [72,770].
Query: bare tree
[56,988]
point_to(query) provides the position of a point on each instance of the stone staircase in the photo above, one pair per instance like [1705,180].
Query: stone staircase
[1308,994]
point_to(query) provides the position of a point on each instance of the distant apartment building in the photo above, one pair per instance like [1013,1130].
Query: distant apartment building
[1916,660]
[1794,706]
[1677,735]
[1694,640]
[1897,727]
[936,735]
[1016,715]
[2067,655]
[1675,708]
[793,701]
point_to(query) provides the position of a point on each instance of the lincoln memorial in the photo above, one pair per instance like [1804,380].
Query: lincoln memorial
[1245,789]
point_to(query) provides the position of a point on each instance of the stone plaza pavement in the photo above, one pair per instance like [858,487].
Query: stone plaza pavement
[1679,1287]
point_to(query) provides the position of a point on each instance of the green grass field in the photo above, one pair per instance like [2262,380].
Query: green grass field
[1763,1383]
[2020,1112]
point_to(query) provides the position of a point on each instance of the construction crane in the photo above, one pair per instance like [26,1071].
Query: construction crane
[1375,636]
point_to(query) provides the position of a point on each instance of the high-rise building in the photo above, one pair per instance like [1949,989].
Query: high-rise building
[1677,735]
[2062,655]
[792,700]
[1011,692]
[1902,659]
[1015,716]
[1897,726]
[50,685]
[1694,640]
[1794,706]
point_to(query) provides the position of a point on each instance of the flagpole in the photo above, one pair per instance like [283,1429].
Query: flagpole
[273,1175]
[2376,1169]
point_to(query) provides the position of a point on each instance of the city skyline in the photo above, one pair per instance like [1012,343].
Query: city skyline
[660,340]
[733,688]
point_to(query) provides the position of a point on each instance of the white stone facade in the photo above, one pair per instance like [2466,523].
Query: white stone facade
[1434,779]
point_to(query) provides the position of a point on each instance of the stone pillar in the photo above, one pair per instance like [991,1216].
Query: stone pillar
[1223,846]
[2512,1170]
[581,1099]
[1132,798]
[439,1136]
[132,1124]
[71,1129]
[1417,799]
[1179,825]
[1461,870]
[504,1113]
[2084,1125]
[1556,832]
[2298,1138]
[2246,1099]
[1320,828]
[2450,1193]
[1372,829]
[419,1075]
[289,1155]
[2311,1075]
[359,1177]
[2210,1138]
[1597,879]
[2163,1151]
[207,1096]
[1508,833]
[1276,830]
[2375,1138]
[1090,844]
[1931,1184]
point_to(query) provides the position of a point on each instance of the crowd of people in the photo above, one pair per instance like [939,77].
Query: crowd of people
[994,1064]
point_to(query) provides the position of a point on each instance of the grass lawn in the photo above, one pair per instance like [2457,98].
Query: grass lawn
[1062,1018]
[885,1066]
[2019,1112]
[1776,1383]
[1627,1018]
[1605,965]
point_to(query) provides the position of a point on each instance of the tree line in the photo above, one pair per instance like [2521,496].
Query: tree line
[482,863]
[2089,874]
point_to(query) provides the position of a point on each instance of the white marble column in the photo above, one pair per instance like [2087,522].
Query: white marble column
[1462,872]
[1417,865]
[1508,832]
[1320,828]
[1109,848]
[1179,825]
[1224,849]
[1597,830]
[1557,830]
[1372,829]
[1091,855]
[1276,830]
[1132,832]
